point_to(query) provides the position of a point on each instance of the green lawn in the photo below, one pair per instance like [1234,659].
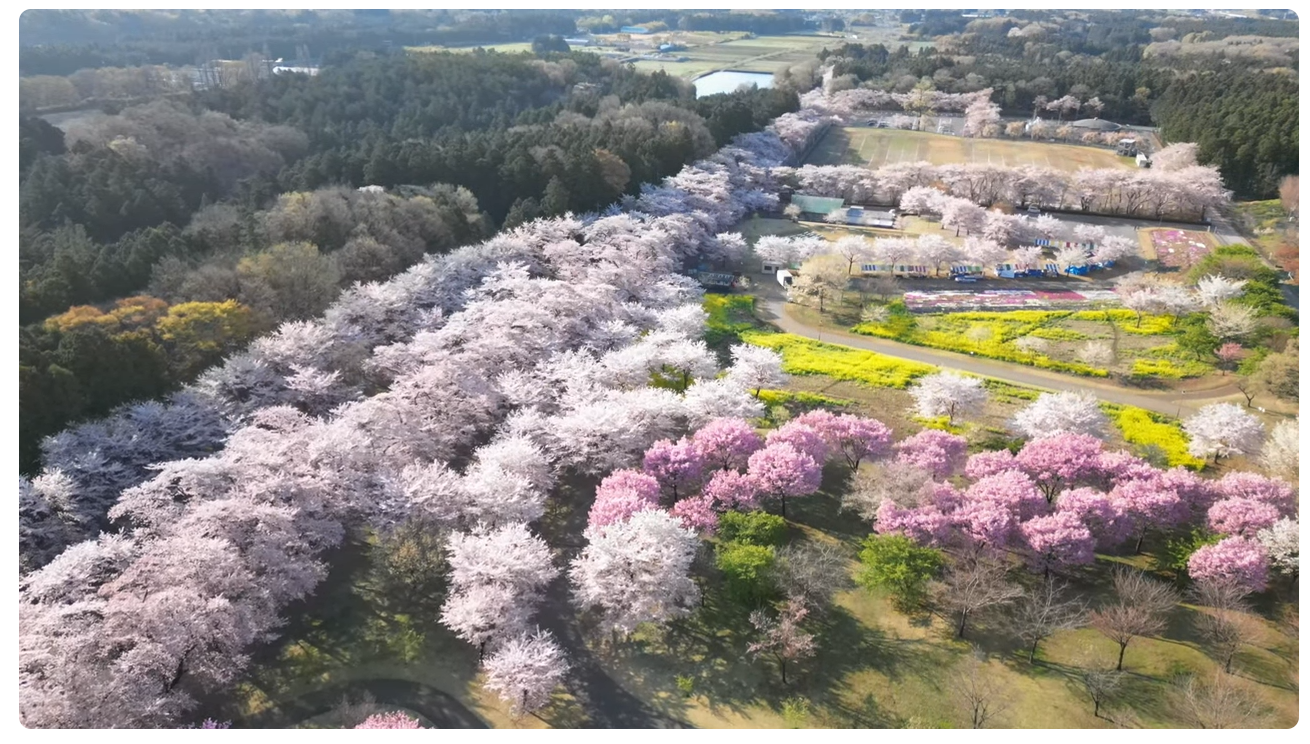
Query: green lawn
[876,147]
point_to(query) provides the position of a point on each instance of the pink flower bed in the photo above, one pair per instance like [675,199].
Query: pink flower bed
[1181,248]
[947,300]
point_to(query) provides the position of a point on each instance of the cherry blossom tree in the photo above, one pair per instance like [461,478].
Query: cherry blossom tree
[1282,543]
[1281,454]
[732,490]
[697,513]
[1229,320]
[855,437]
[1214,290]
[393,720]
[1097,353]
[1056,413]
[622,494]
[1235,559]
[853,248]
[1242,485]
[1241,517]
[1057,541]
[1174,157]
[781,470]
[1148,505]
[1230,353]
[806,439]
[1103,516]
[938,452]
[636,571]
[888,481]
[1058,461]
[707,400]
[676,465]
[980,114]
[525,670]
[946,393]
[1011,489]
[726,443]
[496,575]
[782,637]
[756,368]
[1223,430]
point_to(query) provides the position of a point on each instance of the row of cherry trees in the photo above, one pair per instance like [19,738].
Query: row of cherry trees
[458,390]
[1184,190]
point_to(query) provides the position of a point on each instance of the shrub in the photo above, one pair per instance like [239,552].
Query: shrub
[748,572]
[803,356]
[897,565]
[1178,549]
[686,685]
[752,528]
[1144,428]
[796,712]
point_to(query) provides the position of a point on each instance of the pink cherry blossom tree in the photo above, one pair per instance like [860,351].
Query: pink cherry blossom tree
[1102,516]
[803,437]
[988,463]
[697,513]
[678,466]
[726,443]
[1056,462]
[1241,517]
[780,470]
[622,494]
[1012,489]
[733,490]
[1057,541]
[1272,491]
[1236,559]
[938,452]
[393,720]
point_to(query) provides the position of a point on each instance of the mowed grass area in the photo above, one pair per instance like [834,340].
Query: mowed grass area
[872,148]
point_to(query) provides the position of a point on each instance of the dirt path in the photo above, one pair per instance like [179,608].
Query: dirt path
[441,709]
[1172,402]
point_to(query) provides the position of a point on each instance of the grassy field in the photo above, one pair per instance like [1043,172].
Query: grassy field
[875,147]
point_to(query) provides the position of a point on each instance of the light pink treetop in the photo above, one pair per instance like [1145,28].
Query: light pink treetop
[733,490]
[782,470]
[1060,460]
[1102,515]
[984,464]
[1011,489]
[622,494]
[1236,558]
[938,452]
[1057,541]
[804,438]
[697,513]
[1244,517]
[1272,491]
[393,720]
[726,443]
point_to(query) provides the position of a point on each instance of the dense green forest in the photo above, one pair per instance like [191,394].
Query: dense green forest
[159,239]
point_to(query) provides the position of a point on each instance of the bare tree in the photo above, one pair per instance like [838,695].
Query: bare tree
[1100,684]
[1225,627]
[970,587]
[782,636]
[1248,385]
[977,691]
[813,571]
[1217,702]
[1045,610]
[903,483]
[1141,608]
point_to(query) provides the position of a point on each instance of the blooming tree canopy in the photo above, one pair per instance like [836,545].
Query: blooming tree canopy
[1223,430]
[525,670]
[1236,559]
[947,394]
[1056,413]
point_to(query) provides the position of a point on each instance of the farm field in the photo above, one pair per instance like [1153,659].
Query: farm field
[876,147]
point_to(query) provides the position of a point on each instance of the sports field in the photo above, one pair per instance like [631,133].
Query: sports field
[875,147]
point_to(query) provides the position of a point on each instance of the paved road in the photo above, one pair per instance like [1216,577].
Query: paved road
[1173,403]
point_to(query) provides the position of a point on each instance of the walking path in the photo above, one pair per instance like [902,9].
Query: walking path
[441,709]
[1172,402]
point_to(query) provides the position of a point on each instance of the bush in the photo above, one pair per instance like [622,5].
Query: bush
[686,685]
[748,572]
[752,528]
[894,563]
[1178,549]
[1144,428]
[796,712]
[803,356]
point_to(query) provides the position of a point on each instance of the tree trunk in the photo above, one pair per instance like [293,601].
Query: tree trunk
[1122,648]
[1228,663]
[1032,652]
[1138,547]
[482,651]
[964,617]
[784,506]
[1096,711]
[782,664]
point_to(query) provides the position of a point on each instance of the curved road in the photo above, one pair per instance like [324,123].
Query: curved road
[1171,402]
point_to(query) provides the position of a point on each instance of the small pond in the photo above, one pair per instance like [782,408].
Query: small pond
[726,81]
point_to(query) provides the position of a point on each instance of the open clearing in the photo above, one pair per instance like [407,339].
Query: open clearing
[875,147]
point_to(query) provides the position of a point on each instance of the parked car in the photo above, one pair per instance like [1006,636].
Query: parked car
[1034,211]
